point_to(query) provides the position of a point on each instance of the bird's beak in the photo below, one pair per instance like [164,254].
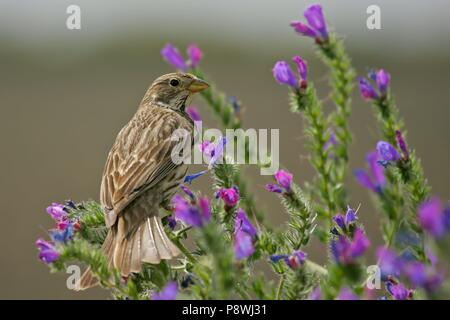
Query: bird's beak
[198,85]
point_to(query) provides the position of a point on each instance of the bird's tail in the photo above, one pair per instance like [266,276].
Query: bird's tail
[149,243]
[126,252]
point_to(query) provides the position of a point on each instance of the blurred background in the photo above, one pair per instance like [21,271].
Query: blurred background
[65,94]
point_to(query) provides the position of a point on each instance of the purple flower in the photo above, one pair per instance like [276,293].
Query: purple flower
[431,218]
[359,245]
[62,236]
[345,251]
[284,75]
[302,70]
[387,153]
[315,294]
[390,264]
[347,294]
[47,252]
[242,223]
[189,178]
[171,54]
[194,214]
[194,54]
[401,143]
[213,151]
[243,245]
[339,220]
[382,79]
[423,276]
[193,113]
[188,192]
[293,261]
[316,27]
[366,89]
[169,292]
[57,211]
[273,188]
[343,222]
[230,196]
[171,222]
[375,180]
[314,16]
[398,291]
[284,179]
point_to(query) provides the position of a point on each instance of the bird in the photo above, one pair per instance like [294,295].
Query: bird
[140,177]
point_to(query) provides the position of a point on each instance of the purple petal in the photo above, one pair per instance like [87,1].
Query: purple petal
[230,196]
[169,292]
[398,291]
[218,151]
[431,218]
[366,89]
[193,113]
[350,216]
[347,294]
[303,29]
[47,252]
[390,264]
[277,257]
[243,245]
[242,223]
[174,57]
[205,209]
[387,152]
[314,16]
[302,67]
[376,169]
[56,211]
[273,188]
[339,220]
[401,143]
[364,179]
[189,178]
[284,75]
[194,54]
[284,179]
[383,79]
[359,244]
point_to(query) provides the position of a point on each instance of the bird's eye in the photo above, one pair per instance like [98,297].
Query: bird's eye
[174,82]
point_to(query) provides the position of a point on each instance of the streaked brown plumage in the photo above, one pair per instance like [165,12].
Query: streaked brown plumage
[140,176]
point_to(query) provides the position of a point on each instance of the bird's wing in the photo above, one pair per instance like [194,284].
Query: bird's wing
[139,159]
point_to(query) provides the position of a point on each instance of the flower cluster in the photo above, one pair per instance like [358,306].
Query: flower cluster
[417,273]
[284,182]
[316,27]
[349,241]
[171,54]
[382,80]
[284,75]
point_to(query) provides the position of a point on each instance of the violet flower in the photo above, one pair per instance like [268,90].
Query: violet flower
[195,214]
[171,54]
[401,143]
[284,180]
[47,252]
[171,222]
[390,264]
[347,294]
[387,154]
[169,292]
[230,196]
[374,179]
[293,261]
[432,218]
[57,211]
[242,223]
[193,113]
[398,291]
[62,236]
[284,75]
[383,80]
[366,89]
[243,245]
[345,251]
[194,54]
[316,27]
[423,276]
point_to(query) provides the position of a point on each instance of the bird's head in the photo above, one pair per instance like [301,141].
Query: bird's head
[174,90]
